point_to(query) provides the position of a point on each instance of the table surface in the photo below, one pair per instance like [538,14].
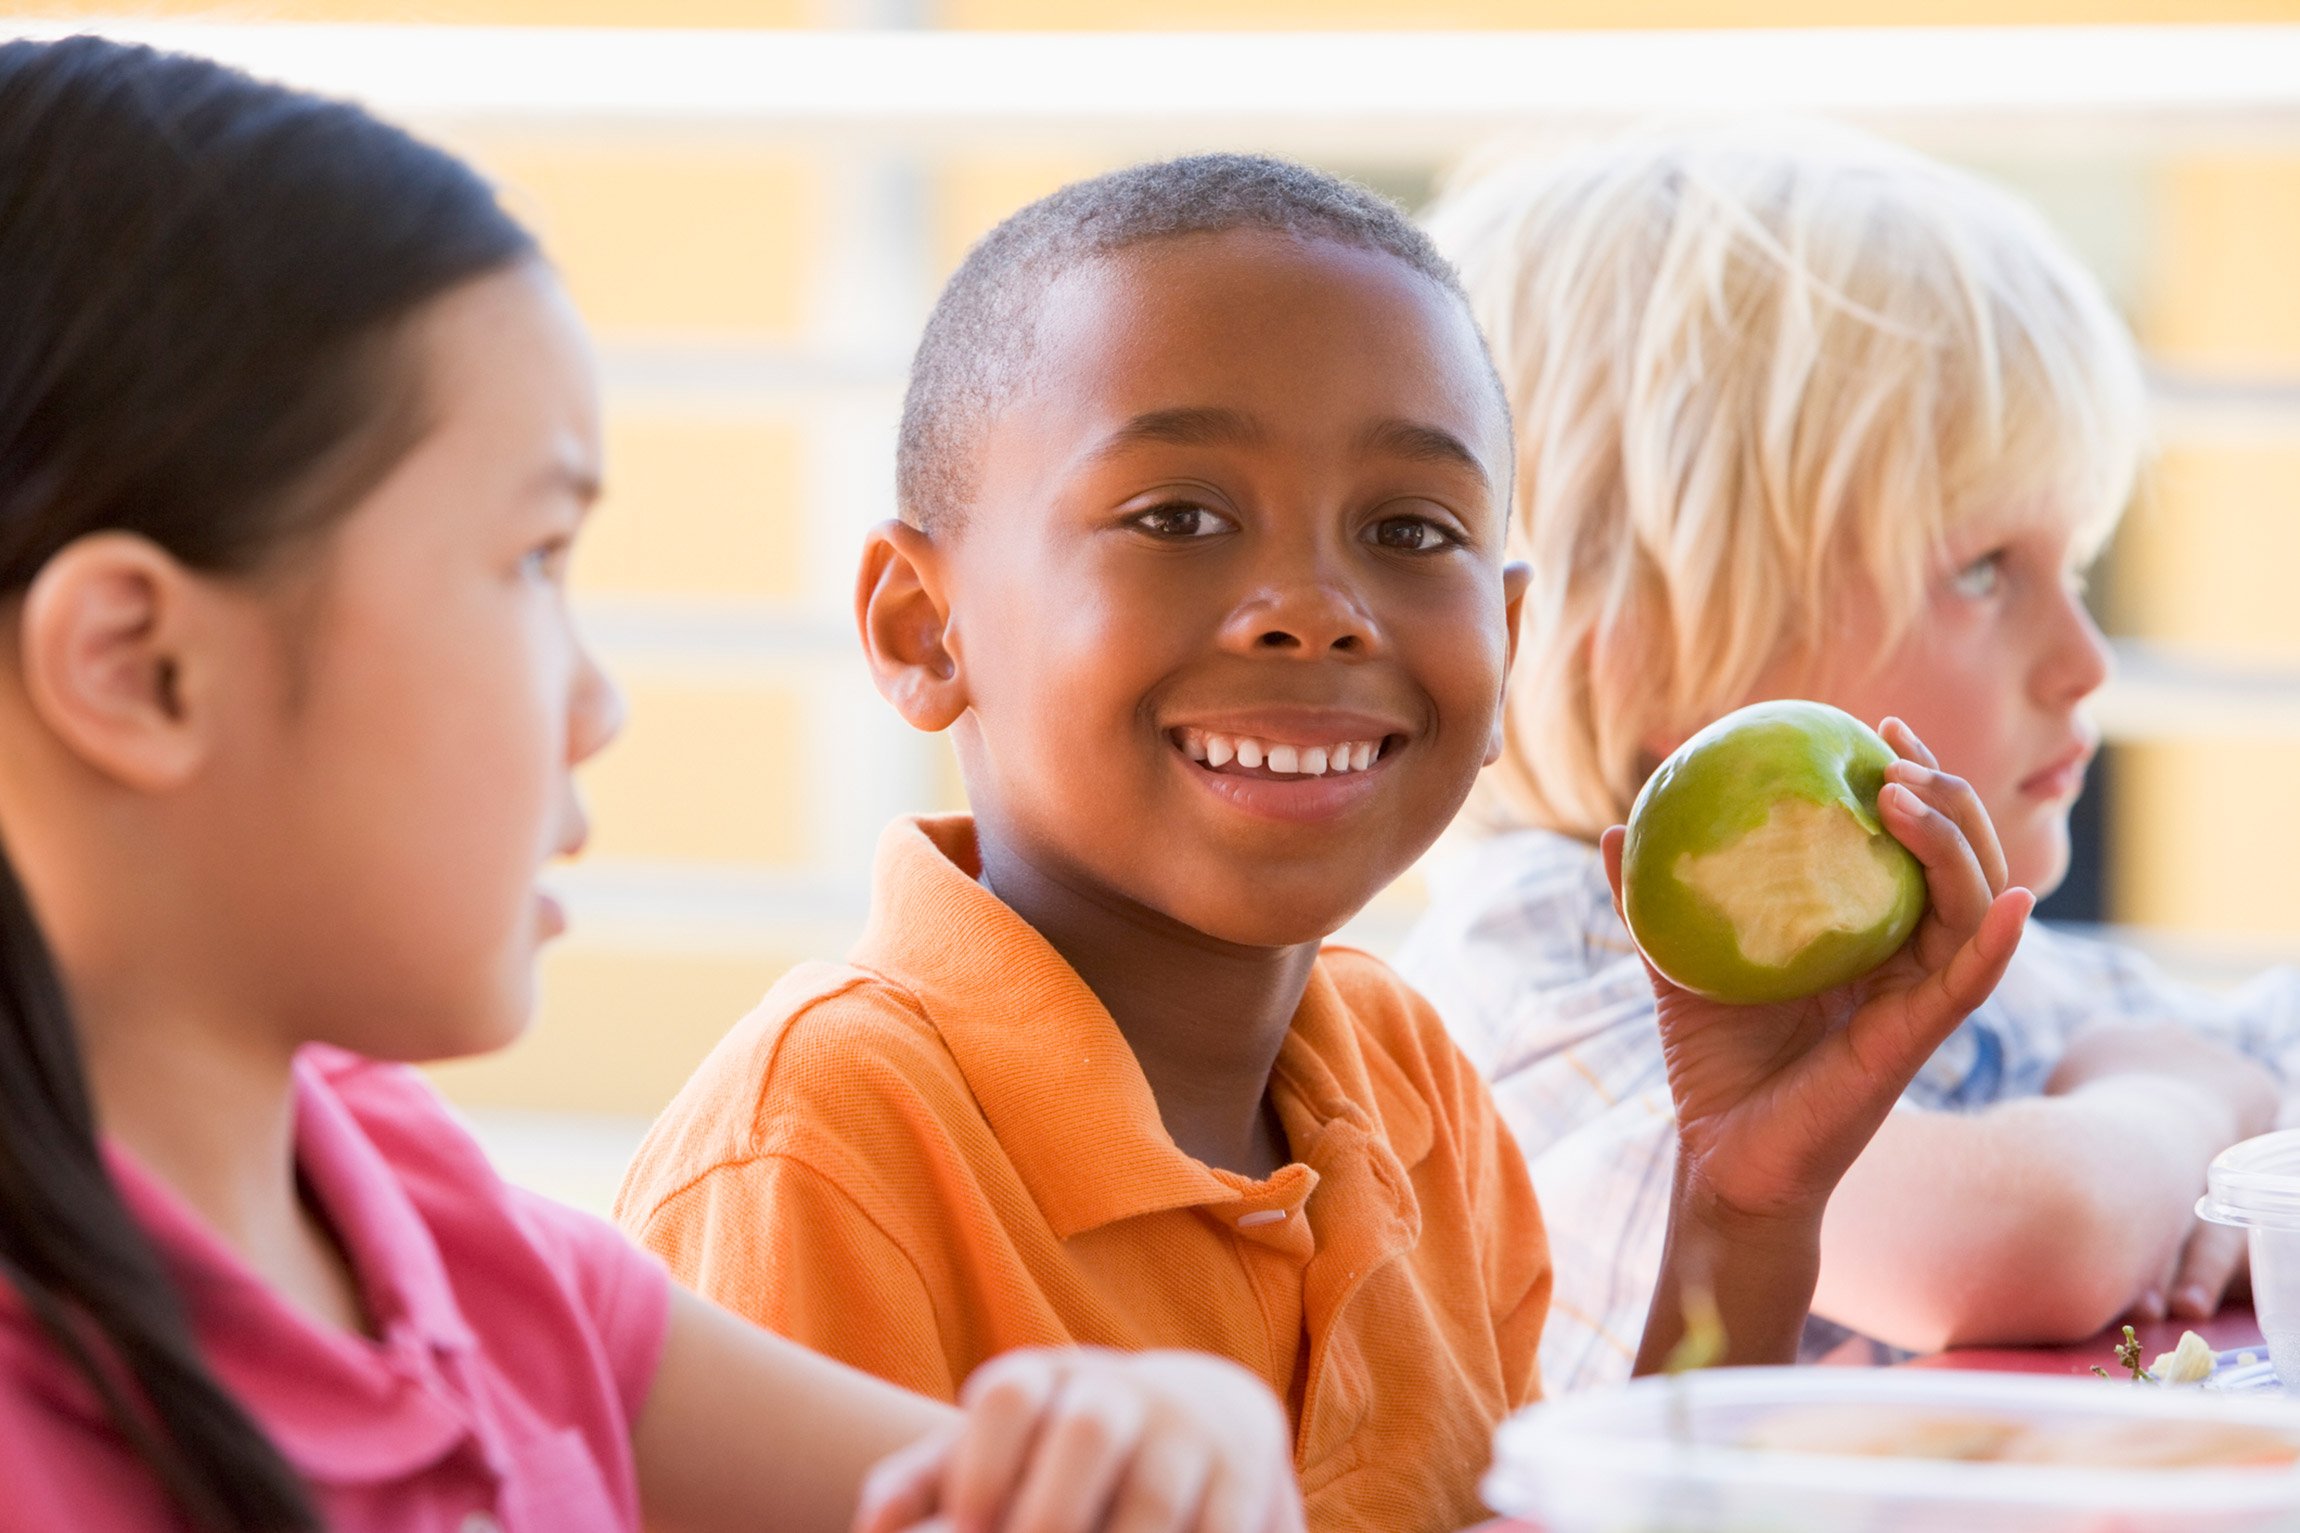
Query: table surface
[2230,1330]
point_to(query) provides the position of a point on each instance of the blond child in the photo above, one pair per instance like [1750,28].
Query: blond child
[297,431]
[1803,414]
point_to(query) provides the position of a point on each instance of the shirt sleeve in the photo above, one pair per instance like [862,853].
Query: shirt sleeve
[625,1291]
[2099,981]
[779,1242]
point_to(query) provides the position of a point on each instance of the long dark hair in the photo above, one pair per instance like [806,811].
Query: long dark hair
[203,283]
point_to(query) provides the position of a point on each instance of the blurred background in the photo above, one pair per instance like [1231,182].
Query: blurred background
[754,201]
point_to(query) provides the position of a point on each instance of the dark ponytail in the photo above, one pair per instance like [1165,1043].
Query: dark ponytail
[203,281]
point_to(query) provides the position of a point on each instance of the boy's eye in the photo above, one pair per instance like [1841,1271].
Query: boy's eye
[1979,579]
[1181,521]
[1411,534]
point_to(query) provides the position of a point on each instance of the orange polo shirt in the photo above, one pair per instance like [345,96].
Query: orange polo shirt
[944,1149]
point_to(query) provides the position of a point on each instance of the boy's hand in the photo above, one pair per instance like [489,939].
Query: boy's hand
[1085,1440]
[1775,1102]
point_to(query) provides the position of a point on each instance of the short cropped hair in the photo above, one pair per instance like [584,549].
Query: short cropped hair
[979,342]
[1756,372]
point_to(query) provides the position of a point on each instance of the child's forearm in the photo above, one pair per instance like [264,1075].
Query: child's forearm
[740,1422]
[1755,1275]
[2035,1221]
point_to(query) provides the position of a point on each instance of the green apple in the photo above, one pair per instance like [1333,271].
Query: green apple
[1756,868]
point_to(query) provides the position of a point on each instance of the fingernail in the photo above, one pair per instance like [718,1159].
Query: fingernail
[2193,1303]
[2151,1307]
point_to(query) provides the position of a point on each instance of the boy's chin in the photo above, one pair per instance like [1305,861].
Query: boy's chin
[1265,919]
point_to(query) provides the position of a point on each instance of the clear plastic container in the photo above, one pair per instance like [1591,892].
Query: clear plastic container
[2256,1185]
[1691,1455]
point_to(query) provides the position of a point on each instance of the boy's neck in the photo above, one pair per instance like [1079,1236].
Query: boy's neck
[1204,1018]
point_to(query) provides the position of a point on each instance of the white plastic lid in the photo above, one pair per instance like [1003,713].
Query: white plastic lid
[2255,1184]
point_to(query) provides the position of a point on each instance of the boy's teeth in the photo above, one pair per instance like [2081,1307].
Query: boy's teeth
[1218,751]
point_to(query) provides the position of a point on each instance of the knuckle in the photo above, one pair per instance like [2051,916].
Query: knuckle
[1093,1425]
[1151,1504]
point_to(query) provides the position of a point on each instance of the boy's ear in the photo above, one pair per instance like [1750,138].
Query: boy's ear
[903,612]
[103,640]
[1516,578]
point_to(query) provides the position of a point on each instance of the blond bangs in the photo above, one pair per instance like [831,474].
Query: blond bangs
[1758,372]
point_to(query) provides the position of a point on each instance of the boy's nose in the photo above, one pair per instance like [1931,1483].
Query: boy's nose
[1304,621]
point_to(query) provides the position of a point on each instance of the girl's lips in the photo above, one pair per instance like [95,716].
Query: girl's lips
[550,915]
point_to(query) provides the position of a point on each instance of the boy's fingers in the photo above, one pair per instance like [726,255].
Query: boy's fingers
[1609,848]
[1164,1487]
[1903,739]
[1894,1047]
[1977,966]
[1090,1435]
[1953,877]
[1954,797]
[2207,1265]
[1005,1400]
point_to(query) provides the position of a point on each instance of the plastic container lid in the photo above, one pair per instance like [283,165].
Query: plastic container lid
[2255,1184]
[1675,1456]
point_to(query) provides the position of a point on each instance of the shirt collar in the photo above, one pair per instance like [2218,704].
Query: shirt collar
[1047,1064]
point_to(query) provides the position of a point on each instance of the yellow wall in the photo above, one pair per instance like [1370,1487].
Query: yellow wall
[2203,830]
[698,247]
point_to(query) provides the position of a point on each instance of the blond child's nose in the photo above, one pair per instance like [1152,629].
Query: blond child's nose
[2079,660]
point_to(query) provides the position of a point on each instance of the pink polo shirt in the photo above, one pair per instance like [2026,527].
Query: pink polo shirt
[516,1342]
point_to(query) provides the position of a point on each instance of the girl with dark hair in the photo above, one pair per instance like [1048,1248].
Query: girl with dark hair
[296,431]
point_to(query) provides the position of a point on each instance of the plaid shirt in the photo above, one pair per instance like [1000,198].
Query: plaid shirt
[1523,956]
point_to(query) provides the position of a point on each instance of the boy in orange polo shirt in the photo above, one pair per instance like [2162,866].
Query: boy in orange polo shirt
[1204,476]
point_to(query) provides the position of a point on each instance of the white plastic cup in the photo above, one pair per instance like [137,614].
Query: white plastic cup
[2256,1187]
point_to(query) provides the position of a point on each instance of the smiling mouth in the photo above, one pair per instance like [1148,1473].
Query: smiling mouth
[1235,755]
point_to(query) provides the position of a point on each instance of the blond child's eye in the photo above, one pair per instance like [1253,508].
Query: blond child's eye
[1180,521]
[1980,578]
[547,561]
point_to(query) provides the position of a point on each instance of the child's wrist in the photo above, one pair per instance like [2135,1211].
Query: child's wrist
[1700,1214]
[1785,1234]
